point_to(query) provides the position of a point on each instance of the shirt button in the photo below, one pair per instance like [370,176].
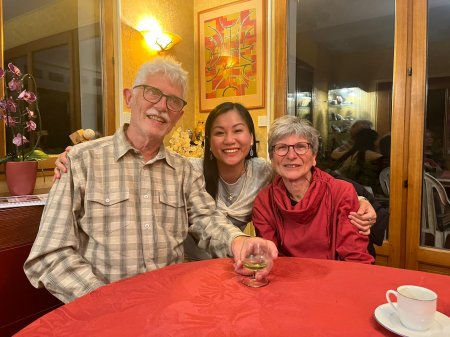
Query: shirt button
[146,196]
[107,200]
[146,226]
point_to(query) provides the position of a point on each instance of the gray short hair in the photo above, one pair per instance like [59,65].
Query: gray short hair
[166,66]
[291,125]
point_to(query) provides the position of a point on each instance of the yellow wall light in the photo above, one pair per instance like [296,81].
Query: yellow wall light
[155,38]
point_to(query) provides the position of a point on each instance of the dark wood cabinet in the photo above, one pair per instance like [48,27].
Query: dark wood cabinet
[21,303]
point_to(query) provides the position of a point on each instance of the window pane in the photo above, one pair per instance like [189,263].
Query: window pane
[435,229]
[340,78]
[53,79]
[59,43]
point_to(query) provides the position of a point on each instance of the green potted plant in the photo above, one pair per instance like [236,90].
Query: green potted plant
[19,111]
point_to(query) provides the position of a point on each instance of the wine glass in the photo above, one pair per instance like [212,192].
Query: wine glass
[255,256]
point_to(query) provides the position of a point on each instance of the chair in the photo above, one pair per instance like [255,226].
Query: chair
[435,211]
[385,177]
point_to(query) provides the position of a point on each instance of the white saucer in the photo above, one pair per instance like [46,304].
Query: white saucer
[387,317]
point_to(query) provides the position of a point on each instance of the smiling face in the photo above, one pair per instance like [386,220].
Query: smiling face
[231,139]
[152,120]
[292,166]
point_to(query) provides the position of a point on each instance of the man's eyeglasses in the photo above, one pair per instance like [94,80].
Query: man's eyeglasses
[154,95]
[283,149]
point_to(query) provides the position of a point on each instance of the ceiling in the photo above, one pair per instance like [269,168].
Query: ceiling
[12,8]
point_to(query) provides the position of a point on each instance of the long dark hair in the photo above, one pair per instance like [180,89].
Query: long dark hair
[210,170]
[365,140]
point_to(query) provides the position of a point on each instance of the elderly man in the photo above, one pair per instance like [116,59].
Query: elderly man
[125,204]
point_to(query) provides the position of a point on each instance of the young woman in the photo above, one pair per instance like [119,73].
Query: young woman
[233,173]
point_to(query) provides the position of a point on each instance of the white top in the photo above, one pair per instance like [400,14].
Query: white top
[258,174]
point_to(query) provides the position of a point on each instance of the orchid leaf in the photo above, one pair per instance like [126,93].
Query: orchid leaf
[36,155]
[5,159]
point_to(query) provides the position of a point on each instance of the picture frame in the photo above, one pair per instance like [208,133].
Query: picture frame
[232,54]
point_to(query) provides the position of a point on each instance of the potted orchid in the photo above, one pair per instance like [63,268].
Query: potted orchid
[19,111]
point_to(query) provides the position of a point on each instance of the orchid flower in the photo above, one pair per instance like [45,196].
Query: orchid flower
[15,85]
[19,111]
[11,105]
[29,113]
[31,126]
[27,96]
[19,140]
[14,69]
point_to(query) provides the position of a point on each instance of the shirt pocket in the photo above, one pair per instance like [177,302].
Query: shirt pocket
[106,212]
[173,214]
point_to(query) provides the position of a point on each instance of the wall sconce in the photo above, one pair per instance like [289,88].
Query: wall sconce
[160,41]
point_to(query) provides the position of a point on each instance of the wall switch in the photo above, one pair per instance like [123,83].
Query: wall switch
[262,121]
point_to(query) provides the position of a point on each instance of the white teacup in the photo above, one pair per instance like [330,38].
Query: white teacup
[416,306]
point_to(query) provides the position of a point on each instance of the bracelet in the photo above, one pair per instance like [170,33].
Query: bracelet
[360,197]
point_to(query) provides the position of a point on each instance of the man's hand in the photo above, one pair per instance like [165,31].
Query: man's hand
[60,164]
[236,248]
[364,218]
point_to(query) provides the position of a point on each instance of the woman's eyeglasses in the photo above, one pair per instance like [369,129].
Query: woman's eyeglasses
[154,95]
[283,149]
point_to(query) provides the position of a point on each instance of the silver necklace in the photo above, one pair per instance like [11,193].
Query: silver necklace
[228,194]
[233,190]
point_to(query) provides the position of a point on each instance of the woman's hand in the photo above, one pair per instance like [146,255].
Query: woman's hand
[364,218]
[60,164]
[236,248]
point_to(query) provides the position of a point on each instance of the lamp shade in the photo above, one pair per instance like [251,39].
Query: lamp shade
[161,41]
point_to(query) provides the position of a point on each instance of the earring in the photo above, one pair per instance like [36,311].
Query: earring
[251,152]
[210,154]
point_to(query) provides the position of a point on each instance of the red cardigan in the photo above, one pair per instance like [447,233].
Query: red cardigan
[317,226]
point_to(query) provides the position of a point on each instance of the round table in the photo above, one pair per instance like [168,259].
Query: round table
[305,297]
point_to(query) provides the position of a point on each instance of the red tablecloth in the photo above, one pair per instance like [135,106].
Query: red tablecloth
[305,297]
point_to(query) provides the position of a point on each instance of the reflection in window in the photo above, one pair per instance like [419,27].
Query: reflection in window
[60,46]
[435,228]
[340,68]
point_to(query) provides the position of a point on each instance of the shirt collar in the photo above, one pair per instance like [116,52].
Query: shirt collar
[122,146]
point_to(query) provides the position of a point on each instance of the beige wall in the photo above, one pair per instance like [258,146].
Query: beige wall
[174,16]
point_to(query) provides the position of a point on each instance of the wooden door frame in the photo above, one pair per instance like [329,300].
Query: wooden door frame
[108,20]
[394,249]
[280,8]
[419,257]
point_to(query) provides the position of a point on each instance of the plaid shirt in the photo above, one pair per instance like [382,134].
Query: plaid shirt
[113,216]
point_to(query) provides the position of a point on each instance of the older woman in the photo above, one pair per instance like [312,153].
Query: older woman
[305,210]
